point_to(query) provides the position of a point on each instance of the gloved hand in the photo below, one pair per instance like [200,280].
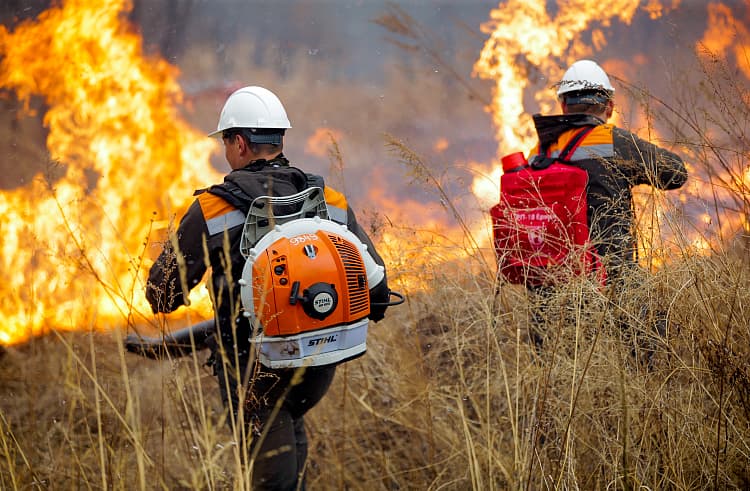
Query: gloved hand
[379,297]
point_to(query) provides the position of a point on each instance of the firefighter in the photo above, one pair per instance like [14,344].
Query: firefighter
[252,125]
[615,161]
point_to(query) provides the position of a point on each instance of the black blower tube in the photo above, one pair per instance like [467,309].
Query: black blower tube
[175,344]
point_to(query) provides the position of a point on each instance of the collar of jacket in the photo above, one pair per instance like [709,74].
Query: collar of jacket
[549,128]
[278,161]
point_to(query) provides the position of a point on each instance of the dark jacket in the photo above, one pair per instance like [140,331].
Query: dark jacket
[616,161]
[213,225]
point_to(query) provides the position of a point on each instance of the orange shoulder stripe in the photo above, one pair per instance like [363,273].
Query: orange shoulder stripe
[213,206]
[335,198]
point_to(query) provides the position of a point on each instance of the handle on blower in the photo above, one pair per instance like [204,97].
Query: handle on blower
[391,293]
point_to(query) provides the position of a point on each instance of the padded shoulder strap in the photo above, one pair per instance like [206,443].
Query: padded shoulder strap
[570,148]
[242,186]
[232,194]
[574,143]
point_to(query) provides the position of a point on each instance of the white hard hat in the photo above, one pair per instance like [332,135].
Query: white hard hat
[585,75]
[252,107]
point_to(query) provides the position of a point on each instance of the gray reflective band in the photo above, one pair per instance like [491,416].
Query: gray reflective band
[224,222]
[314,348]
[604,150]
[338,215]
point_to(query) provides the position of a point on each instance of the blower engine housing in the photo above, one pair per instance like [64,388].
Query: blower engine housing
[305,288]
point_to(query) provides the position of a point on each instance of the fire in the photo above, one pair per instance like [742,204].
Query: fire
[411,252]
[319,143]
[74,246]
[525,40]
[715,40]
[441,145]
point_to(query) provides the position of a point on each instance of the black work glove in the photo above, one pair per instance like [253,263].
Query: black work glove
[379,297]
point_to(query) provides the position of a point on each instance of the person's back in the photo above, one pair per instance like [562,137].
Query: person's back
[261,400]
[614,161]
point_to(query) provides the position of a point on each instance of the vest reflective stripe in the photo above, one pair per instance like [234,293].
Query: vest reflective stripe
[337,206]
[597,144]
[218,214]
[337,214]
[593,151]
[590,152]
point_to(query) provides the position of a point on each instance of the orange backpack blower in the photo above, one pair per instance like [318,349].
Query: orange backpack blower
[305,288]
[305,285]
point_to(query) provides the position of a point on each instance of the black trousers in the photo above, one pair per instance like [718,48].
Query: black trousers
[279,439]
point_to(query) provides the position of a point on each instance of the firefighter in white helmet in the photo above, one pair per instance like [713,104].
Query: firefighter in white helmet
[252,125]
[615,160]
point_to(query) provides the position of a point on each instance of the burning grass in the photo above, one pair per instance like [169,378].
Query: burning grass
[452,393]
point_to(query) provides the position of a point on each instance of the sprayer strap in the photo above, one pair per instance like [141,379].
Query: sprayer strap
[573,144]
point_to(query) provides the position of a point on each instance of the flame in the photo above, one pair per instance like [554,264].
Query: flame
[74,244]
[715,40]
[441,145]
[412,252]
[525,40]
[725,43]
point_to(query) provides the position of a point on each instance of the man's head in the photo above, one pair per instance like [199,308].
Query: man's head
[252,125]
[585,88]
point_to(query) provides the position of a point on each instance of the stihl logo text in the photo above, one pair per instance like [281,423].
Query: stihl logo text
[324,340]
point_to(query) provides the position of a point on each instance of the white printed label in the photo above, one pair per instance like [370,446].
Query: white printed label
[301,239]
[323,302]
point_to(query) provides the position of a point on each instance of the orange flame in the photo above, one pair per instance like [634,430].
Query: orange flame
[716,39]
[319,143]
[73,247]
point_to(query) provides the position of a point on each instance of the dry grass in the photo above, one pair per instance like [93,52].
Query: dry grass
[451,395]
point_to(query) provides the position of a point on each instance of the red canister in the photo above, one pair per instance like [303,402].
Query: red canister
[513,162]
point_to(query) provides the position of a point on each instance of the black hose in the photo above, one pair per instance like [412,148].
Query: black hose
[175,344]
